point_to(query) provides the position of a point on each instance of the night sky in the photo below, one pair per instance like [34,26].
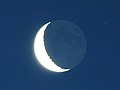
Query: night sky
[21,20]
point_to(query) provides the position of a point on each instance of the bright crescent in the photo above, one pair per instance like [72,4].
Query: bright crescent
[41,53]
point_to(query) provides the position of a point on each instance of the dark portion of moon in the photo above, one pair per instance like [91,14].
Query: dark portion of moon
[65,43]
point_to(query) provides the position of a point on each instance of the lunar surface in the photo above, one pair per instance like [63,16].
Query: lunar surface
[60,45]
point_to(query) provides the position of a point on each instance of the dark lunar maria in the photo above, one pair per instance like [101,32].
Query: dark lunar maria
[65,43]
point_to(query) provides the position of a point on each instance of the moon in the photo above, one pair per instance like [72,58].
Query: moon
[41,53]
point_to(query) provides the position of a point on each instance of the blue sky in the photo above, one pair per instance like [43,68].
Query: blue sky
[19,23]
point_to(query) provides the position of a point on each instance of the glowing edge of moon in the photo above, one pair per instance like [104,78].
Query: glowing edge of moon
[41,54]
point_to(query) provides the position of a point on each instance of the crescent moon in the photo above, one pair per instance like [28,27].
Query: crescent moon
[41,53]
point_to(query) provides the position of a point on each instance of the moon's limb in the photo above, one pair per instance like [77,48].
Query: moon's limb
[41,54]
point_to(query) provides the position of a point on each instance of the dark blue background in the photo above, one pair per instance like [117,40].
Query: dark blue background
[19,23]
